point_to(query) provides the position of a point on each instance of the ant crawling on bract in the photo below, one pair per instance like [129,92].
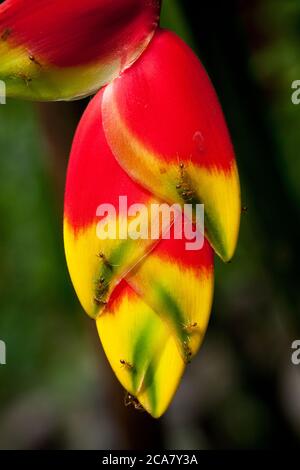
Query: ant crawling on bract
[126,364]
[105,261]
[130,400]
[190,327]
[100,302]
[34,60]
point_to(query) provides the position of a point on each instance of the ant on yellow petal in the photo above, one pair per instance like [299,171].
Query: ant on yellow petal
[126,364]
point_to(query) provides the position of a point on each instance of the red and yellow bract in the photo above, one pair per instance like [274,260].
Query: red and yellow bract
[65,49]
[163,114]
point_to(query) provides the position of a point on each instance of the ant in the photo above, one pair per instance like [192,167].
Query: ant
[183,186]
[34,60]
[181,168]
[105,261]
[99,282]
[126,364]
[187,352]
[189,328]
[130,400]
[99,301]
[188,195]
[101,286]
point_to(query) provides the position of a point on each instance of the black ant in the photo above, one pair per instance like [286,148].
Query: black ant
[34,60]
[99,301]
[99,282]
[130,400]
[187,352]
[105,261]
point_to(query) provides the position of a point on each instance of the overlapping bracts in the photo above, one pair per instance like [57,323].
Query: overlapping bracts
[155,134]
[150,325]
[164,123]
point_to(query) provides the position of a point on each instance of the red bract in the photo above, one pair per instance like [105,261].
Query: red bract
[43,40]
[94,175]
[165,126]
[74,32]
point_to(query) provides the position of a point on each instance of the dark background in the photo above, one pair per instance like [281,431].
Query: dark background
[242,390]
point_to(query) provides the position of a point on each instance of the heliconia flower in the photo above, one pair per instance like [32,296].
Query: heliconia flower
[164,124]
[54,49]
[154,135]
[150,324]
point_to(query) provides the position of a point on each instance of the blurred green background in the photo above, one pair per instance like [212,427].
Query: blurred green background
[242,391]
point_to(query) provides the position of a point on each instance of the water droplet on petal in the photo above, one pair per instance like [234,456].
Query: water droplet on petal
[199,141]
